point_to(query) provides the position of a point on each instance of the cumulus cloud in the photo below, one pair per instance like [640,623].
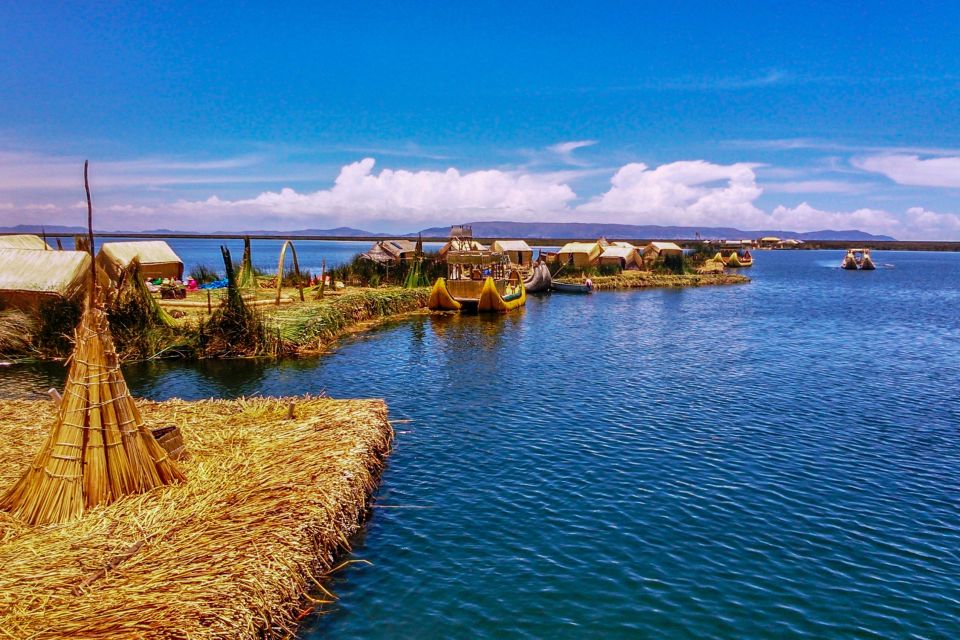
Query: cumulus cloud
[913,170]
[358,192]
[804,217]
[922,224]
[681,193]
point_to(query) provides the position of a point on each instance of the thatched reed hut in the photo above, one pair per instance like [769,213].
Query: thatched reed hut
[29,277]
[391,251]
[656,251]
[626,258]
[518,251]
[157,259]
[580,254]
[24,241]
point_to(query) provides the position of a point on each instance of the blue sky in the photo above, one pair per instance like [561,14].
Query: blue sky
[394,116]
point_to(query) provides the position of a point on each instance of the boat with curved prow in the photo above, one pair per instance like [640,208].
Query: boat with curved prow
[739,259]
[858,260]
[478,280]
[539,281]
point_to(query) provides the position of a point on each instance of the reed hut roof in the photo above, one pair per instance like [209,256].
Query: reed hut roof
[24,241]
[98,448]
[618,252]
[63,273]
[399,247]
[621,243]
[461,244]
[148,252]
[590,248]
[662,247]
[511,245]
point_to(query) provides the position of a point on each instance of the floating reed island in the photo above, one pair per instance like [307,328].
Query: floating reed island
[646,280]
[237,549]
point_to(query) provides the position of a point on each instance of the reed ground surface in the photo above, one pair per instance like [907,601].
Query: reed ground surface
[647,279]
[233,552]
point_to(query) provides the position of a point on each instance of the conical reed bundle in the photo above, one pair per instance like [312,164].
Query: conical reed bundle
[99,448]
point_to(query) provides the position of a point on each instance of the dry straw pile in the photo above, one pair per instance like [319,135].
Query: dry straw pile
[231,552]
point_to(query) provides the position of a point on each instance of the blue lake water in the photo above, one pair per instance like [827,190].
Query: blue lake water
[777,459]
[311,254]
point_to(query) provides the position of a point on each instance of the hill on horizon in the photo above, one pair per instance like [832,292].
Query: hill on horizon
[593,230]
[519,230]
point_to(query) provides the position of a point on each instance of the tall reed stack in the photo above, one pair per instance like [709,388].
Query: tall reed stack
[98,448]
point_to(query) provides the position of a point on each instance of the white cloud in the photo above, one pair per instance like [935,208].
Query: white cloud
[928,225]
[681,193]
[40,207]
[564,150]
[128,208]
[6,206]
[358,193]
[812,186]
[804,217]
[914,171]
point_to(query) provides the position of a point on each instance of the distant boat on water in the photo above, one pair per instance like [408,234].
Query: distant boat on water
[858,260]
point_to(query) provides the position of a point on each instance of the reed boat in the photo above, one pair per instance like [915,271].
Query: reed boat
[739,259]
[478,280]
[858,260]
[566,287]
[539,280]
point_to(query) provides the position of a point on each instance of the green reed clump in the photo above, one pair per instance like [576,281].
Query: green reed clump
[141,328]
[234,329]
[308,326]
[56,321]
[674,264]
[204,273]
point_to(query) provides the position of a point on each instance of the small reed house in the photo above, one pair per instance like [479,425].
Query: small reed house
[28,278]
[579,254]
[157,259]
[518,251]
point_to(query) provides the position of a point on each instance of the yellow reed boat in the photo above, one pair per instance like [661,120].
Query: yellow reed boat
[478,280]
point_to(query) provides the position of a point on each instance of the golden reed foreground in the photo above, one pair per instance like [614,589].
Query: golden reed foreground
[233,551]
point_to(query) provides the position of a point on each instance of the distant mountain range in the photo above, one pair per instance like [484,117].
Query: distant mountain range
[338,232]
[524,230]
[593,230]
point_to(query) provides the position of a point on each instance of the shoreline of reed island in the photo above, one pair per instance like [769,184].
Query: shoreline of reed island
[654,280]
[259,328]
[239,549]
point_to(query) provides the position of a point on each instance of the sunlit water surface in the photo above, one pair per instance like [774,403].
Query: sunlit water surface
[778,459]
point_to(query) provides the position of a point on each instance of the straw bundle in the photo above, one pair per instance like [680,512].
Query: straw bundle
[98,448]
[233,552]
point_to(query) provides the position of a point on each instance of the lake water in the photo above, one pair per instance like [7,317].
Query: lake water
[777,459]
[265,253]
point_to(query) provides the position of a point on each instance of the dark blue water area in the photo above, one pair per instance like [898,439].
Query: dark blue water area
[311,254]
[775,459]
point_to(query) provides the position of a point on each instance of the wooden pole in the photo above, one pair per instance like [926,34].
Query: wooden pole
[93,262]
